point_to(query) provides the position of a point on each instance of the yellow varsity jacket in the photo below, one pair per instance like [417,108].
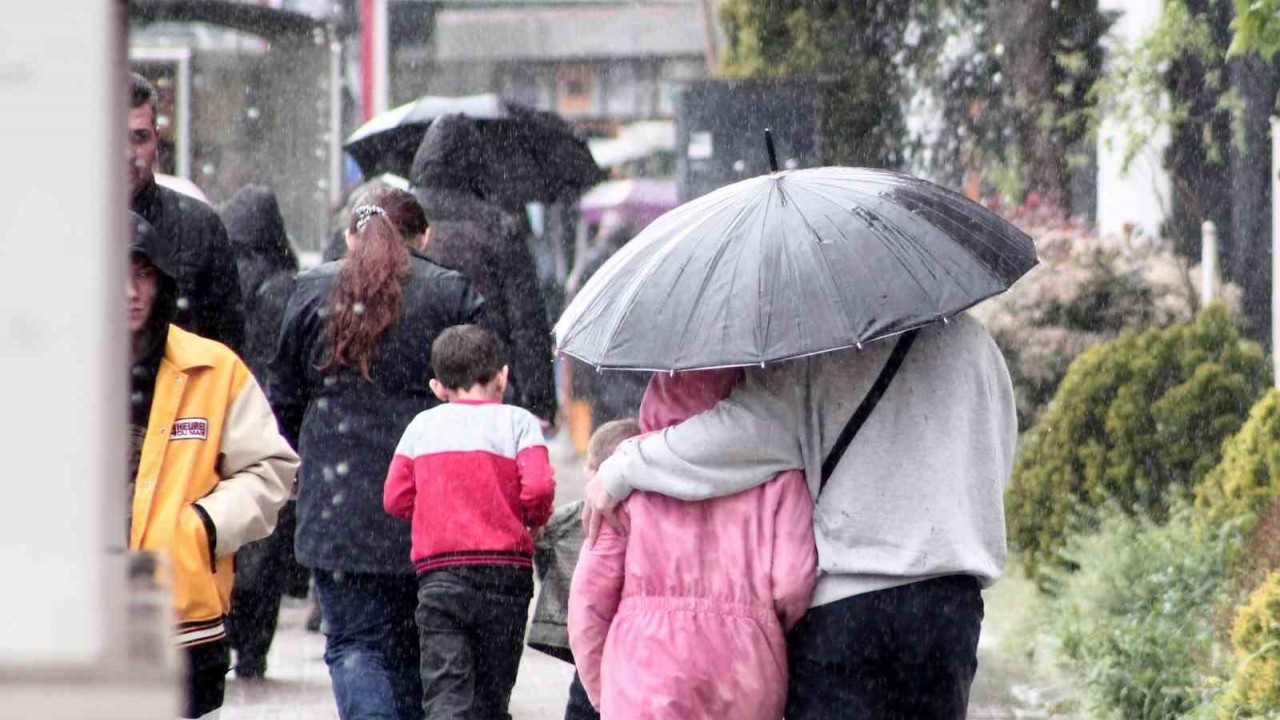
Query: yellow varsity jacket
[211,441]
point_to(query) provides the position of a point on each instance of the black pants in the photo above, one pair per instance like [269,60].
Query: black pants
[250,627]
[906,653]
[579,707]
[471,623]
[205,683]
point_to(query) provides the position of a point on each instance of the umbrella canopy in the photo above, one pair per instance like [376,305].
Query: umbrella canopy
[643,199]
[530,155]
[791,264]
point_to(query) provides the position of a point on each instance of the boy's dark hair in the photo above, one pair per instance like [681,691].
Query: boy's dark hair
[466,355]
[140,91]
[606,439]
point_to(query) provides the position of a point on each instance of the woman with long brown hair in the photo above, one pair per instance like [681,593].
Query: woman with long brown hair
[350,372]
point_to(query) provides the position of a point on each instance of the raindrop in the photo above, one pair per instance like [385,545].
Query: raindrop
[323,403]
[358,308]
[183,303]
[327,473]
[207,168]
[338,498]
[329,380]
[253,113]
[343,468]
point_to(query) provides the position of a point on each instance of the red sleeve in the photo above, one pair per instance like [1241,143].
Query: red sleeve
[399,490]
[795,559]
[537,485]
[594,596]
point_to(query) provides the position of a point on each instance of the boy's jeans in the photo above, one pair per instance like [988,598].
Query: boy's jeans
[471,622]
[371,644]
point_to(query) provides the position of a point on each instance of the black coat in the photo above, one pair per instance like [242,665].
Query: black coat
[488,245]
[346,427]
[208,285]
[266,263]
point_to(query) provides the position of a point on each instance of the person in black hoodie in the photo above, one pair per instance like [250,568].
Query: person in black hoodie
[488,245]
[351,372]
[265,570]
[209,302]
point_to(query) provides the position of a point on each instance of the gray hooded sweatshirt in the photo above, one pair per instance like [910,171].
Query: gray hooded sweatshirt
[919,493]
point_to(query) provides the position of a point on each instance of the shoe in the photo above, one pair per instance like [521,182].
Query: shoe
[251,669]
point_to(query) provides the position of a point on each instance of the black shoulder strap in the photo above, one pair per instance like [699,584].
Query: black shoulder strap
[868,404]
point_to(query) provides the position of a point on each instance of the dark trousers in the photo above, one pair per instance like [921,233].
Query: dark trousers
[251,626]
[371,644]
[205,682]
[471,622]
[906,653]
[579,707]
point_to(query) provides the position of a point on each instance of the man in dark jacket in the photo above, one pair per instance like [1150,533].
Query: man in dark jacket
[486,244]
[265,570]
[209,302]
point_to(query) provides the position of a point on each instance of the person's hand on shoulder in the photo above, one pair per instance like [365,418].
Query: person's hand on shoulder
[599,506]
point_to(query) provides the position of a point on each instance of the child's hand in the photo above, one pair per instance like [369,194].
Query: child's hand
[537,533]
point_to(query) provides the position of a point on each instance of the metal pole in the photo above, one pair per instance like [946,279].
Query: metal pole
[1208,263]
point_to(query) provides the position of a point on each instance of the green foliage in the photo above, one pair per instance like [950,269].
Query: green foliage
[1256,27]
[1136,421]
[1136,623]
[863,47]
[1086,291]
[1247,481]
[1255,685]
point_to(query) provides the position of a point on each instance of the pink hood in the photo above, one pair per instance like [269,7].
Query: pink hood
[684,617]
[672,399]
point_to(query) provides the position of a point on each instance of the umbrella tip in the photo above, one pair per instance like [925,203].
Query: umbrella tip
[773,154]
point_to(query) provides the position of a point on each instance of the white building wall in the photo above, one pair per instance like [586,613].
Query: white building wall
[1137,197]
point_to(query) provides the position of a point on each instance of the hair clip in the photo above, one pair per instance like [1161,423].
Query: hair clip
[364,212]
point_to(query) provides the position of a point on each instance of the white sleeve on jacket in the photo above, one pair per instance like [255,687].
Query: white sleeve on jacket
[742,442]
[258,469]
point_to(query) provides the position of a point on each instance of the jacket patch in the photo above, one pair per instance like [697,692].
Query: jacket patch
[190,429]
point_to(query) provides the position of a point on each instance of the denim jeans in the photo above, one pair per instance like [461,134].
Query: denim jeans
[371,644]
[471,620]
[904,653]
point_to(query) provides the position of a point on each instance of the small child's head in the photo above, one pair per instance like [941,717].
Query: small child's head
[468,363]
[606,439]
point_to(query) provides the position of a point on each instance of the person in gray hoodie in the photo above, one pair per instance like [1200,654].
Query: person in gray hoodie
[909,528]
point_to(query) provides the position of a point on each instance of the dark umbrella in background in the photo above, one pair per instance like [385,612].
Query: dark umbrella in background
[529,155]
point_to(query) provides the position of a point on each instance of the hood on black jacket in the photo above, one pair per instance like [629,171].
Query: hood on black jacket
[255,228]
[452,156]
[145,244]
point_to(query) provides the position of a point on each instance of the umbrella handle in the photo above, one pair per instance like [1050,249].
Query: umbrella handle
[773,154]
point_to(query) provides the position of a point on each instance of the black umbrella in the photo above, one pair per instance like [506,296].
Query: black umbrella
[530,155]
[791,264]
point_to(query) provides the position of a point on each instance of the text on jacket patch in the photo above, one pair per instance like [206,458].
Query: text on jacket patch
[190,429]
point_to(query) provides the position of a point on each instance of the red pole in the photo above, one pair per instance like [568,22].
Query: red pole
[368,64]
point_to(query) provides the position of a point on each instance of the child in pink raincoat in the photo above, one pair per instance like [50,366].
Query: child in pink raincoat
[685,616]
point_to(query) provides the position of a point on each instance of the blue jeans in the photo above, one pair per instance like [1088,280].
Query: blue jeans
[371,644]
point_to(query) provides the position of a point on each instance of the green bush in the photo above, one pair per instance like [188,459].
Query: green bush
[1255,685]
[1247,481]
[1136,421]
[1087,290]
[1136,622]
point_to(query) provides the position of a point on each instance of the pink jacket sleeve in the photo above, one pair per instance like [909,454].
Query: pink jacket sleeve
[594,596]
[399,490]
[795,558]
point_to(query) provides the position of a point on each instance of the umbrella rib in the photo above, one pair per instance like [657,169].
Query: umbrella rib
[892,251]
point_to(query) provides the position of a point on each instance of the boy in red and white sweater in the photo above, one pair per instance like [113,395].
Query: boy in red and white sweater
[474,478]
